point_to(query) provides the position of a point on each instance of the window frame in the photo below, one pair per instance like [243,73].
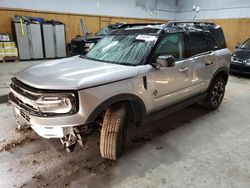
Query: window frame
[244,43]
[152,57]
[189,45]
[209,36]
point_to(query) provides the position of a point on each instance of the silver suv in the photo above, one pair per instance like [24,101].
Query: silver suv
[129,77]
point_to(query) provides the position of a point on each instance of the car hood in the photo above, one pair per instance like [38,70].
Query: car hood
[242,53]
[74,73]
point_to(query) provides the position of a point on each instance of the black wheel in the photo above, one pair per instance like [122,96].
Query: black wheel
[215,94]
[113,132]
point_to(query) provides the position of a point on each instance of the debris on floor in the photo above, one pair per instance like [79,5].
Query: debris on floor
[4,99]
[17,143]
[141,140]
[23,129]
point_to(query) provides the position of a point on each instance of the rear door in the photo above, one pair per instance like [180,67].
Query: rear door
[203,61]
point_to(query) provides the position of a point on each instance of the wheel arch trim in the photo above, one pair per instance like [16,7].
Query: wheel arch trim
[222,70]
[115,99]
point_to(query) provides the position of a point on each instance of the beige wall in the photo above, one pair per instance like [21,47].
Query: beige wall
[235,30]
[72,21]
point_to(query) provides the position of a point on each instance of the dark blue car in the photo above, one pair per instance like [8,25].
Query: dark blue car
[240,61]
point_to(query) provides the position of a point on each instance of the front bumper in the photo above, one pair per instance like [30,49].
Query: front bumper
[47,127]
[237,67]
[57,126]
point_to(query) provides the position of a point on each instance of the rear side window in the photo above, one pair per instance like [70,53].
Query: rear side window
[217,33]
[198,43]
[219,36]
[212,43]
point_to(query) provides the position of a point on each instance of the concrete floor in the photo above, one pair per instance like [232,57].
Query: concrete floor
[7,70]
[190,148]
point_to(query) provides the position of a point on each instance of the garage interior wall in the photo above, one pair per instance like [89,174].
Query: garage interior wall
[232,15]
[95,13]
[119,8]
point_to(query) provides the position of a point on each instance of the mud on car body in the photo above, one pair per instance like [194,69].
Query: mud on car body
[130,76]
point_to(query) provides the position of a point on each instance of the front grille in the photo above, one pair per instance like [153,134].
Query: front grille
[24,115]
[17,86]
[238,59]
[24,97]
[240,67]
[77,46]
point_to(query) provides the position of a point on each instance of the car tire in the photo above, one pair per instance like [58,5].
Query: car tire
[215,94]
[113,132]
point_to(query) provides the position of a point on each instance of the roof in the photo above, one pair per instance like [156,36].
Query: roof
[170,27]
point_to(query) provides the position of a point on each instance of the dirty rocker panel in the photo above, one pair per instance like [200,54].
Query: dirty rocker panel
[164,112]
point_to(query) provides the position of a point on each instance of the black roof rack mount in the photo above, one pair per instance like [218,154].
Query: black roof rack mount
[177,23]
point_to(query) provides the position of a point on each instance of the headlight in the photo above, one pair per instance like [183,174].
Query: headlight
[234,57]
[247,61]
[88,46]
[60,104]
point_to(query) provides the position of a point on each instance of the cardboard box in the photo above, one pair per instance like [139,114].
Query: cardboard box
[13,44]
[7,51]
[14,52]
[7,45]
[10,52]
[2,52]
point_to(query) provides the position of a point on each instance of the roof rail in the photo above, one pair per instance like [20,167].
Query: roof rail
[138,24]
[178,23]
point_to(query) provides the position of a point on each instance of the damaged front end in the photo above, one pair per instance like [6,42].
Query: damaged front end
[49,114]
[76,135]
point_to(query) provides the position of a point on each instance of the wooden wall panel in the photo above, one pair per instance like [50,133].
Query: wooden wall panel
[72,21]
[236,30]
[104,21]
[92,24]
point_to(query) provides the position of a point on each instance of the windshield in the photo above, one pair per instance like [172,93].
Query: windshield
[103,31]
[123,49]
[246,44]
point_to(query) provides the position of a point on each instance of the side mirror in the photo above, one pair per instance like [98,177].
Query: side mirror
[164,61]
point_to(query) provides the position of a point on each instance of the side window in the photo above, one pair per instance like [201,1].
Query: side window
[219,36]
[212,43]
[198,43]
[171,44]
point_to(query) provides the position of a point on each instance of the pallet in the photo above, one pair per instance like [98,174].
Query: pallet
[9,59]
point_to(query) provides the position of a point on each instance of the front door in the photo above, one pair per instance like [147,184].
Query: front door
[170,85]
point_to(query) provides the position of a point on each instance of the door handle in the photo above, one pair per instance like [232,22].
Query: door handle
[183,69]
[209,63]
